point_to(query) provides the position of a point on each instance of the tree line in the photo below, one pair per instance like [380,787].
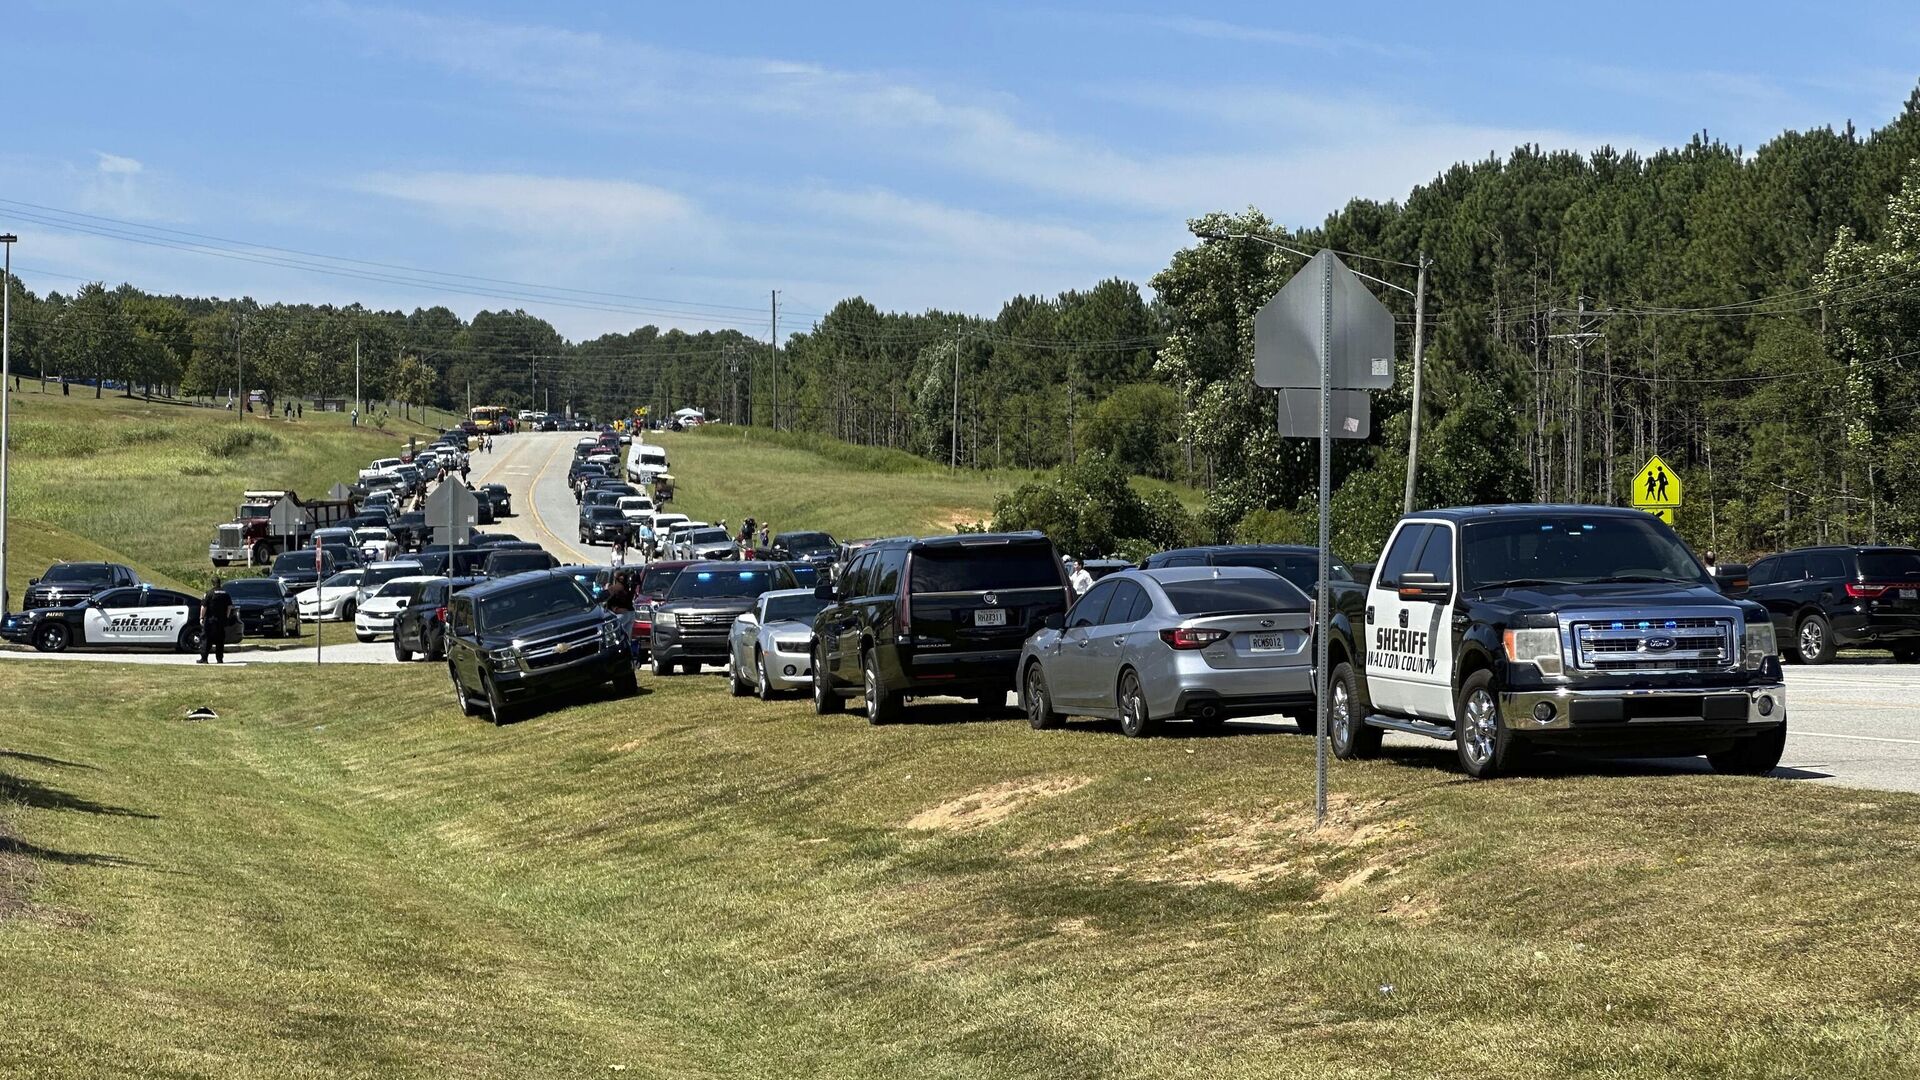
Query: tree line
[1749,316]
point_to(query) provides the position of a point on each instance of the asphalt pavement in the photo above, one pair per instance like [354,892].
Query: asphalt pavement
[1854,723]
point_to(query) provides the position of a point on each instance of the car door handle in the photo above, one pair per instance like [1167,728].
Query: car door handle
[1369,614]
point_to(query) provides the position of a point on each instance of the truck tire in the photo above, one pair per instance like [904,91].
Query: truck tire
[1756,755]
[1813,640]
[883,705]
[1347,728]
[1487,749]
[661,667]
[826,700]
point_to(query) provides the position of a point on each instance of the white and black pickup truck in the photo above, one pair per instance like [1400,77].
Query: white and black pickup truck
[1509,629]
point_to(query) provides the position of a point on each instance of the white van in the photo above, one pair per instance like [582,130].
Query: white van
[644,462]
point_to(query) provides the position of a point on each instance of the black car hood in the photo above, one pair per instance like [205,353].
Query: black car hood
[542,628]
[257,603]
[1623,598]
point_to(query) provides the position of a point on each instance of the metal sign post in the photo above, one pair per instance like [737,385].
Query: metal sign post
[319,568]
[1323,623]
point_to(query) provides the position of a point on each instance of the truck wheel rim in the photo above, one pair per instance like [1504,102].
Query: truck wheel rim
[871,679]
[1481,727]
[1810,638]
[1340,713]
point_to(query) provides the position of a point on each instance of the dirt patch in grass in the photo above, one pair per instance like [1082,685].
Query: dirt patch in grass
[1359,844]
[993,804]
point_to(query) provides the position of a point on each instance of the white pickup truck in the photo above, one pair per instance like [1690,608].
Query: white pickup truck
[382,467]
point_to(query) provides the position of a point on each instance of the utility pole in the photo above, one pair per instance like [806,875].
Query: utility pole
[1419,354]
[1582,332]
[7,241]
[956,399]
[773,349]
[240,368]
[357,403]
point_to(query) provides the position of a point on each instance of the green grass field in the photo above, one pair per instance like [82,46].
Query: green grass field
[343,877]
[145,483]
[795,480]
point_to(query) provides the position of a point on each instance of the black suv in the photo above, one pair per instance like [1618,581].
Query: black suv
[943,615]
[64,583]
[505,561]
[529,635]
[499,496]
[421,627]
[812,547]
[264,605]
[1827,598]
[692,623]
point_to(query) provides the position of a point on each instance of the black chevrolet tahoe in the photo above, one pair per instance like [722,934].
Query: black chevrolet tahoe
[945,615]
[1507,629]
[528,636]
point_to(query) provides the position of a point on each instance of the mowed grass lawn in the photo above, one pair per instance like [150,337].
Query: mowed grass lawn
[343,877]
[798,481]
[146,483]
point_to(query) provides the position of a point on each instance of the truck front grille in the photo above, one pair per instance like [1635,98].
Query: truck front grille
[563,649]
[1653,644]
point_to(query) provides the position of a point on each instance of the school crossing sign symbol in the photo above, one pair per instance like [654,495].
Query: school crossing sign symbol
[1657,490]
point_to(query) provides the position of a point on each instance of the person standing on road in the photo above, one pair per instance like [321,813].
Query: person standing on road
[465,471]
[1080,579]
[216,609]
[620,548]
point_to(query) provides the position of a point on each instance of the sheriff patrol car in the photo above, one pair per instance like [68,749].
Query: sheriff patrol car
[133,616]
[1504,629]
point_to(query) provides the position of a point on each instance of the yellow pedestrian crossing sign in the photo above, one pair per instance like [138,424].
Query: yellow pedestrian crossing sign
[1657,490]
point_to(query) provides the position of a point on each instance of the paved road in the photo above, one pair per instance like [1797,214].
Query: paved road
[1855,723]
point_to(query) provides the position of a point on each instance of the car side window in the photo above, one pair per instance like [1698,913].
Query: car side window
[1790,568]
[1761,572]
[118,598]
[855,583]
[889,571]
[1091,608]
[164,598]
[1436,556]
[1826,566]
[1401,554]
[1128,598]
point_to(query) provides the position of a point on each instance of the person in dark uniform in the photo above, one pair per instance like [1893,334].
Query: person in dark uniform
[619,595]
[216,608]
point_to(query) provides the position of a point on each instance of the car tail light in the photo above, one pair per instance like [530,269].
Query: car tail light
[439,614]
[1187,637]
[906,597]
[1860,591]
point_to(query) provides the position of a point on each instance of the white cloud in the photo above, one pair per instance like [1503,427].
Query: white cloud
[1221,30]
[115,164]
[612,210]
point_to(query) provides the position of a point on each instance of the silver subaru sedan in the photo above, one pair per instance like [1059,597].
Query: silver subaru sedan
[1201,643]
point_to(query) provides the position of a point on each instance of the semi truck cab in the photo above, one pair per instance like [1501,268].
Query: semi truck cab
[1511,629]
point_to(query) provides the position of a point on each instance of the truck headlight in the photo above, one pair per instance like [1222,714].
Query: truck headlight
[1757,644]
[1541,648]
[665,619]
[505,657]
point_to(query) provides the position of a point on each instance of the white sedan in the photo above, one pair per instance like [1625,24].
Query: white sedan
[333,599]
[378,612]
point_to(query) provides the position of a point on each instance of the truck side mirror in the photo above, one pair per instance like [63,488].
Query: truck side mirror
[1056,621]
[1424,585]
[1731,577]
[823,590]
[31,582]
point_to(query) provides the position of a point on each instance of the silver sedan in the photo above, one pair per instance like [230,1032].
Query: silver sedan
[1195,643]
[770,648]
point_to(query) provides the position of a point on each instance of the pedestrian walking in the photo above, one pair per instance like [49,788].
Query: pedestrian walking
[300,410]
[620,549]
[766,533]
[356,419]
[216,610]
[465,469]
[1081,579]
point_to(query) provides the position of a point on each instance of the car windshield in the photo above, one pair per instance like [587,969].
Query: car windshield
[795,608]
[652,459]
[542,599]
[78,572]
[365,535]
[506,562]
[1890,565]
[380,575]
[962,568]
[607,513]
[1299,569]
[293,562]
[659,579]
[697,584]
[253,588]
[1234,595]
[807,541]
[408,589]
[1575,549]
[708,536]
[346,579]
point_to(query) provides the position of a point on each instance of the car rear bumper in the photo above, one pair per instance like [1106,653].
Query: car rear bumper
[958,673]
[1650,718]
[1875,628]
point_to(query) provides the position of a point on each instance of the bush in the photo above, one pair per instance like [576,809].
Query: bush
[242,440]
[1137,426]
[1090,509]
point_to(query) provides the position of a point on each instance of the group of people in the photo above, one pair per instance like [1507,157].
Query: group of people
[753,542]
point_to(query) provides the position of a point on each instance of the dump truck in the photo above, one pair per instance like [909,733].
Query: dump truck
[250,538]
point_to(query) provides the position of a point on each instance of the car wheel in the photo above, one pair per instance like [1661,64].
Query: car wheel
[762,685]
[1756,755]
[346,611]
[1038,700]
[735,684]
[1135,721]
[496,703]
[188,641]
[53,637]
[1906,654]
[400,654]
[1814,640]
[1487,748]
[293,626]
[826,700]
[460,695]
[1353,738]
[661,667]
[883,705]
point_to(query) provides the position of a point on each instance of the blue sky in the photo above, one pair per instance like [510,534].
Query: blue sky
[673,162]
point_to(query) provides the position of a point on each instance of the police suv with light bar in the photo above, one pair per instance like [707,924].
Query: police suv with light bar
[1506,629]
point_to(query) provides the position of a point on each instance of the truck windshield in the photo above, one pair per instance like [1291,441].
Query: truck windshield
[69,572]
[705,583]
[255,512]
[1575,549]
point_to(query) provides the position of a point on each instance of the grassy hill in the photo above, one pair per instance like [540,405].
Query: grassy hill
[800,480]
[145,483]
[341,876]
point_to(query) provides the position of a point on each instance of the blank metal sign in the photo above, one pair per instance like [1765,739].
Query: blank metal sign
[1286,331]
[1300,414]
